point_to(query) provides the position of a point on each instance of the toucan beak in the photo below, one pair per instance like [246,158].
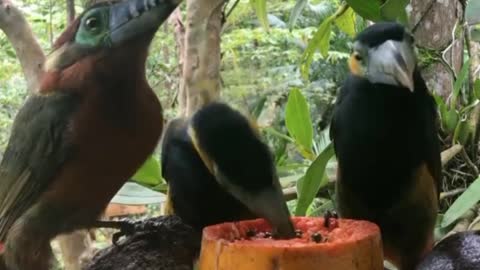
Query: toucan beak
[393,59]
[133,18]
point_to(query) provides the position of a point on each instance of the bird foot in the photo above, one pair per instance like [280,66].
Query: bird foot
[125,226]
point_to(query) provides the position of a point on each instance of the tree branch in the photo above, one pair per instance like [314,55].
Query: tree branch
[27,48]
[70,11]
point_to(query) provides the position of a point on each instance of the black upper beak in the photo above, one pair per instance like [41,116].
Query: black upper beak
[133,18]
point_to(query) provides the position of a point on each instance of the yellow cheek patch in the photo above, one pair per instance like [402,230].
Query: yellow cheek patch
[354,65]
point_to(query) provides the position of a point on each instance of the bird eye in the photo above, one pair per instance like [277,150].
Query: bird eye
[357,56]
[92,23]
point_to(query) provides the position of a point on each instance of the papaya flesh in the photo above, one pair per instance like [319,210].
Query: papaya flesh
[342,245]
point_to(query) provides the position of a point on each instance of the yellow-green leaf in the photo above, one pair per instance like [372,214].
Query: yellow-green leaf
[260,7]
[467,200]
[346,22]
[320,40]
[476,88]
[296,11]
[298,121]
[149,174]
[314,180]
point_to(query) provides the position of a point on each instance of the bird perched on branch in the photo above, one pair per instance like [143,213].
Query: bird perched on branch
[66,157]
[384,131]
[219,170]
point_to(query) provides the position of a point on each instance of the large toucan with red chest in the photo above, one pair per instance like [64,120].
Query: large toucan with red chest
[66,156]
[384,131]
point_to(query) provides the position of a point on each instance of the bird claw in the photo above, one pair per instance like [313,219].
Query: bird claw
[126,226]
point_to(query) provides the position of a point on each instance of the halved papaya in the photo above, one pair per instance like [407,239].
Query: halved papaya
[342,244]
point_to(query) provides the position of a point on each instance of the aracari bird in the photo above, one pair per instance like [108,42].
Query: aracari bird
[384,131]
[219,170]
[65,158]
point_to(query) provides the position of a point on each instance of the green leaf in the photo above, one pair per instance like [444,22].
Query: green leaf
[257,107]
[296,11]
[476,88]
[368,9]
[462,132]
[462,76]
[467,200]
[149,173]
[451,120]
[394,9]
[313,181]
[298,121]
[346,22]
[441,105]
[260,7]
[320,40]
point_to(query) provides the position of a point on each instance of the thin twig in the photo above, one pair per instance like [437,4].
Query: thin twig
[451,193]
[231,9]
[469,162]
[450,153]
[459,172]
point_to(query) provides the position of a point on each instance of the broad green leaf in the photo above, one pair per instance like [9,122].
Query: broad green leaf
[320,40]
[298,121]
[313,181]
[296,11]
[476,88]
[451,120]
[346,22]
[149,174]
[260,7]
[394,9]
[368,9]
[467,200]
[472,12]
[462,76]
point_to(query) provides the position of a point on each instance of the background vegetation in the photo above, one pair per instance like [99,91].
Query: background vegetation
[282,62]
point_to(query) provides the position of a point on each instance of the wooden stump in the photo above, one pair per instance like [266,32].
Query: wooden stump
[168,245]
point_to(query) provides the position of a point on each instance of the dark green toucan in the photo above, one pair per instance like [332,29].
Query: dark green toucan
[219,170]
[66,156]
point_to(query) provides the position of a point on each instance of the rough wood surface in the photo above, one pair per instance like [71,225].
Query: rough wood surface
[164,243]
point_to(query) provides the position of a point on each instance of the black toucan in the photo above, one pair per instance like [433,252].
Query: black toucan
[384,131]
[219,170]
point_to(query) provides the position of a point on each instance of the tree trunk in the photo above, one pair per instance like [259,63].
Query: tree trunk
[433,23]
[201,69]
[179,32]
[70,11]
